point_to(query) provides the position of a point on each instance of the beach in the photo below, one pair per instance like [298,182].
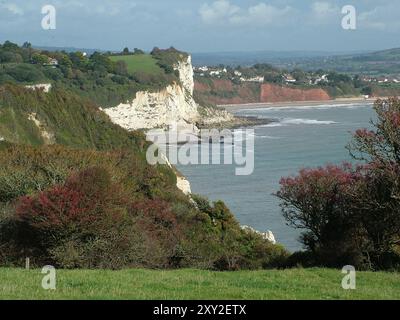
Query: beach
[356,100]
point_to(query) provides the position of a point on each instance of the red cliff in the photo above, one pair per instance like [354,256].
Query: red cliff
[219,91]
[274,93]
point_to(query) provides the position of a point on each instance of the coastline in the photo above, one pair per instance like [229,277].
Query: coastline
[239,107]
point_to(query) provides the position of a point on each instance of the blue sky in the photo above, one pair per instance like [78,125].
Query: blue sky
[204,25]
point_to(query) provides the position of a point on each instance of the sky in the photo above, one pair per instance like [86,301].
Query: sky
[204,25]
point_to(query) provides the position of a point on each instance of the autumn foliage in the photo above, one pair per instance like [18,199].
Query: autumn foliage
[88,209]
[350,214]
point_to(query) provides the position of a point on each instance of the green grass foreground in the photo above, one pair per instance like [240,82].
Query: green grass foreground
[195,284]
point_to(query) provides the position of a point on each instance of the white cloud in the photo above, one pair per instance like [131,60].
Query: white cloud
[107,10]
[383,18]
[217,11]
[324,11]
[223,12]
[13,8]
[261,14]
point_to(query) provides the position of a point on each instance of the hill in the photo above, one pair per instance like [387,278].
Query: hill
[384,62]
[76,191]
[383,55]
[96,77]
[37,118]
[254,57]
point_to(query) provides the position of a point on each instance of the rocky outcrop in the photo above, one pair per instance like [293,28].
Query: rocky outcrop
[268,235]
[213,116]
[41,86]
[185,69]
[274,93]
[156,109]
[183,184]
[173,105]
[48,137]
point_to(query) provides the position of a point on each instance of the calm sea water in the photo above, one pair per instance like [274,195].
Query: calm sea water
[304,137]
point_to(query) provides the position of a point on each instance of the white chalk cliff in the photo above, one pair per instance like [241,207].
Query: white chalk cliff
[174,104]
[171,105]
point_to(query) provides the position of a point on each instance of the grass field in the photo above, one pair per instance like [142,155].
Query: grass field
[194,284]
[140,62]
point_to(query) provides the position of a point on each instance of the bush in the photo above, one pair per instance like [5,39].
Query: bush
[26,73]
[350,214]
[319,201]
[88,209]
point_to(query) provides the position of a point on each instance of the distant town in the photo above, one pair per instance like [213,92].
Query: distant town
[253,74]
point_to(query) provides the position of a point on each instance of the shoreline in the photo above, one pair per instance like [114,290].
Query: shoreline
[239,107]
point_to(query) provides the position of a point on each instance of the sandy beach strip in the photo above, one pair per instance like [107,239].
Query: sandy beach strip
[340,101]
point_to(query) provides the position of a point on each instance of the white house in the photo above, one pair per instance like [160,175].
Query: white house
[259,79]
[289,79]
[203,69]
[323,78]
[52,62]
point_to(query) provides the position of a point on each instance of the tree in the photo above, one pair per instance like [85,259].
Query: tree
[138,51]
[318,201]
[380,147]
[300,76]
[40,58]
[100,62]
[121,68]
[367,91]
[78,60]
[27,45]
[350,214]
[126,51]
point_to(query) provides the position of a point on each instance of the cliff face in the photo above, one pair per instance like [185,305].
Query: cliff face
[156,109]
[220,92]
[174,104]
[273,93]
[185,69]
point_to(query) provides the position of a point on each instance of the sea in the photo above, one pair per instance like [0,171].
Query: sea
[300,137]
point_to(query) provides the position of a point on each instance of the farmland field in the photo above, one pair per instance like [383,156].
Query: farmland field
[139,63]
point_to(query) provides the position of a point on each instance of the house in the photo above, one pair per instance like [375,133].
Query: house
[323,78]
[218,72]
[215,73]
[289,79]
[51,62]
[201,69]
[366,79]
[259,79]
